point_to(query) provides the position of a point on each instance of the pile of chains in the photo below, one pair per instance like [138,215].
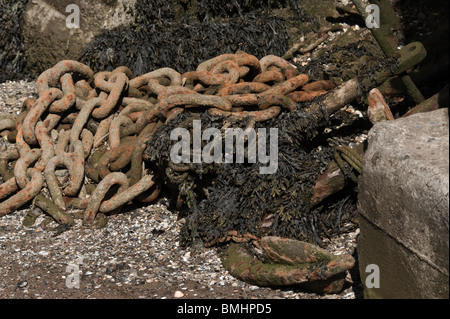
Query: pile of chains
[95,127]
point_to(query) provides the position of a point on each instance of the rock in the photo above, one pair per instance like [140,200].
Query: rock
[378,110]
[403,207]
[286,262]
[178,294]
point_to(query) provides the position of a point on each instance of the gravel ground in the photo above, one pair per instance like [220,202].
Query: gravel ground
[137,255]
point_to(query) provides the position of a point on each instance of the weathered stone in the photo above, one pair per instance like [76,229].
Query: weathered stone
[47,39]
[287,262]
[403,206]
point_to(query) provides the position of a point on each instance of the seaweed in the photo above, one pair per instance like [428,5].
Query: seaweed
[12,54]
[149,46]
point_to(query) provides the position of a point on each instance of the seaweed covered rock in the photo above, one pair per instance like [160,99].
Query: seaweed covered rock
[235,197]
[183,47]
[181,34]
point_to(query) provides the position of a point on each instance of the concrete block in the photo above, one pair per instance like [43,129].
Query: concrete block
[403,207]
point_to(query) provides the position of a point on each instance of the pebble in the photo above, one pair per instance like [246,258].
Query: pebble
[22,284]
[178,294]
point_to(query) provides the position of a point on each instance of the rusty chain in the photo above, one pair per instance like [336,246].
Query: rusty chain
[96,126]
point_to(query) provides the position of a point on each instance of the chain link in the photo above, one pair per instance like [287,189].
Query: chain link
[96,127]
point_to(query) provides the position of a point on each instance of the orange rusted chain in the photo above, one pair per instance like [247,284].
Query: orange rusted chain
[123,69]
[303,96]
[134,115]
[288,85]
[87,138]
[28,104]
[124,113]
[7,122]
[114,129]
[189,79]
[150,195]
[101,81]
[267,100]
[243,88]
[26,194]
[69,95]
[138,152]
[199,87]
[137,161]
[36,112]
[8,187]
[244,59]
[134,108]
[75,202]
[53,210]
[127,195]
[84,91]
[102,130]
[50,121]
[91,170]
[273,60]
[77,176]
[22,165]
[173,113]
[120,156]
[51,77]
[242,99]
[51,180]
[83,117]
[22,147]
[204,68]
[174,76]
[322,85]
[132,100]
[70,118]
[259,116]
[147,117]
[269,76]
[48,150]
[191,100]
[120,81]
[63,142]
[224,73]
[79,202]
[172,90]
[99,193]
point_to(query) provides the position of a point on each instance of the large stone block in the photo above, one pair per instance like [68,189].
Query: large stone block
[404,207]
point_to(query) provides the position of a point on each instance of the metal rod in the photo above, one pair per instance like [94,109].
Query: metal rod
[388,51]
